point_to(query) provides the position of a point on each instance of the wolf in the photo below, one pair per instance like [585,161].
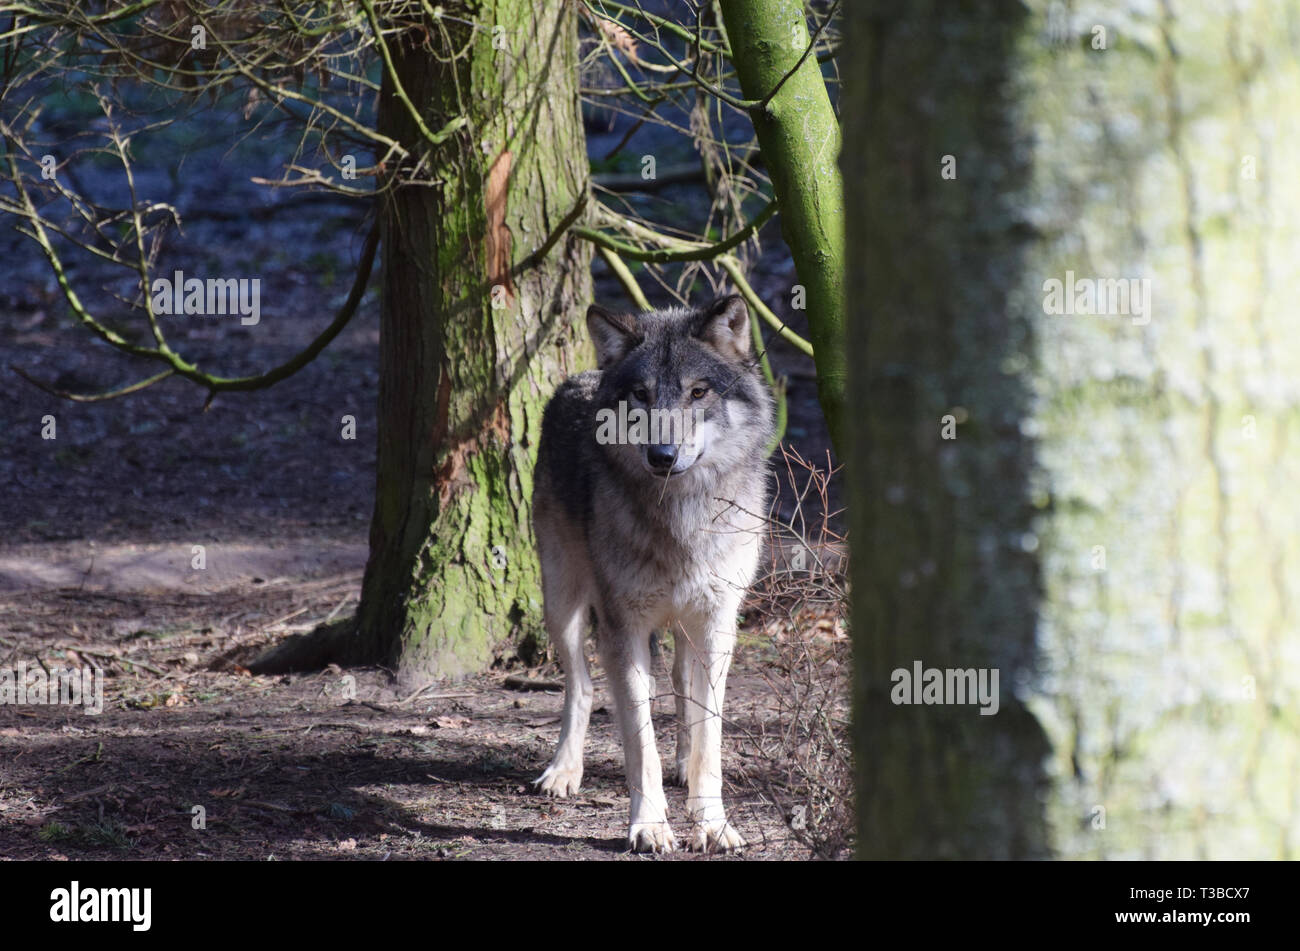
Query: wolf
[652,527]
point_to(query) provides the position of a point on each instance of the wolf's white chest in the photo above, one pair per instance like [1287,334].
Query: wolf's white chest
[719,565]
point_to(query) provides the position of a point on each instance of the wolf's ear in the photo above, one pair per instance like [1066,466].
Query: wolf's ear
[725,325]
[613,334]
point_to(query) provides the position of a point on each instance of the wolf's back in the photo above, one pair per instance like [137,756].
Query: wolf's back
[565,456]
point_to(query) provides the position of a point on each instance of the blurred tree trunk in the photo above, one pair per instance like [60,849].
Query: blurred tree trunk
[1115,526]
[472,343]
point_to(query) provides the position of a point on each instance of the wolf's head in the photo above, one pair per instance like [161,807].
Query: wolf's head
[680,389]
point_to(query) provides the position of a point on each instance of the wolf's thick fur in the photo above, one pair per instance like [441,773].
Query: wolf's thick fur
[663,534]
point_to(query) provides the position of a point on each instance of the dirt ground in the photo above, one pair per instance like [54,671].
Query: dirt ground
[96,570]
[294,767]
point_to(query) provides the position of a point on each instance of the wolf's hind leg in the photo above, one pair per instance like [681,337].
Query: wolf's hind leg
[565,625]
[681,690]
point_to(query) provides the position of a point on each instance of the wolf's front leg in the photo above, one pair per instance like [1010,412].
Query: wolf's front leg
[626,656]
[564,775]
[710,648]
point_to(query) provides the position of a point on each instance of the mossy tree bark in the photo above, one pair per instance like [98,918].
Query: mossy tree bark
[1113,527]
[476,333]
[800,138]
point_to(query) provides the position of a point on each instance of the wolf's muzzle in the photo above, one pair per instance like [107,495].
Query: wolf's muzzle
[661,457]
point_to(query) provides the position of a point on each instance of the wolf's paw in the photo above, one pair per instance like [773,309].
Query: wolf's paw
[651,837]
[559,781]
[716,835]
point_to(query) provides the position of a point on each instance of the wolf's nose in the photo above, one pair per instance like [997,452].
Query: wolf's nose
[661,456]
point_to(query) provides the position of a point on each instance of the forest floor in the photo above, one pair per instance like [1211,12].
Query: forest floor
[330,764]
[96,570]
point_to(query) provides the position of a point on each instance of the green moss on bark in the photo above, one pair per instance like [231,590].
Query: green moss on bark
[800,138]
[475,337]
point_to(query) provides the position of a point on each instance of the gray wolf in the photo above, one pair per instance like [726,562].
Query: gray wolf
[654,527]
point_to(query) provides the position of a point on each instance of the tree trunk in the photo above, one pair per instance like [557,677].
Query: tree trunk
[800,139]
[474,336]
[1113,526]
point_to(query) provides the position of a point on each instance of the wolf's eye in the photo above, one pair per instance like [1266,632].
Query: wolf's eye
[698,392]
[641,394]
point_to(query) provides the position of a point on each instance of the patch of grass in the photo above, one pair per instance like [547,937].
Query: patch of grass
[109,834]
[103,834]
[157,634]
[54,832]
